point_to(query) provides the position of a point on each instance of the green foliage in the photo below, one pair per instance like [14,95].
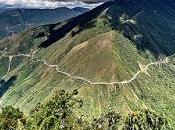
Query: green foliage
[145,120]
[57,113]
[110,121]
[35,80]
[10,118]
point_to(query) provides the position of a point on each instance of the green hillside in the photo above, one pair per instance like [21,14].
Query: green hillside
[119,56]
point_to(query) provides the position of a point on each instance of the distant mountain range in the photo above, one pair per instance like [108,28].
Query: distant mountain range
[120,56]
[13,21]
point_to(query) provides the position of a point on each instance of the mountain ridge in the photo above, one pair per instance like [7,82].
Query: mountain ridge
[16,20]
[84,54]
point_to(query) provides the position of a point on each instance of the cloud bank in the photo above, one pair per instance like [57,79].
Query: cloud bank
[44,4]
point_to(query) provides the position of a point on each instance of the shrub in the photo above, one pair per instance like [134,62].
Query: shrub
[57,113]
[145,120]
[10,118]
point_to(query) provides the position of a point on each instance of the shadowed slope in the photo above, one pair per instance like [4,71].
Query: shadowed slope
[14,21]
[101,51]
[154,28]
[72,23]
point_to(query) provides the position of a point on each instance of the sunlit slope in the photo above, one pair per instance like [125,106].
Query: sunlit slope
[99,58]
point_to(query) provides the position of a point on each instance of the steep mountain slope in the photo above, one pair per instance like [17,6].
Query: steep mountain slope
[17,20]
[119,56]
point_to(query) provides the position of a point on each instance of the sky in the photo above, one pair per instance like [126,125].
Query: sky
[44,4]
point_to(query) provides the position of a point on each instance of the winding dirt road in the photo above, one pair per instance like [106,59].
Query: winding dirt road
[4,54]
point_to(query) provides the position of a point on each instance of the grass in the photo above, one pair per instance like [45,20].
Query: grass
[97,53]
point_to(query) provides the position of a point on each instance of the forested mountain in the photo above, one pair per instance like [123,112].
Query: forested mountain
[14,21]
[119,56]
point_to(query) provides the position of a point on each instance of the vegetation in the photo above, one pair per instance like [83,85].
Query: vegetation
[56,114]
[59,114]
[145,120]
[91,50]
[17,20]
[10,118]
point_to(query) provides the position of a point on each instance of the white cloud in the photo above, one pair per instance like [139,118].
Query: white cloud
[45,4]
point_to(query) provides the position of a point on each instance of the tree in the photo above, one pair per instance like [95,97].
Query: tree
[145,120]
[57,113]
[10,117]
[108,121]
